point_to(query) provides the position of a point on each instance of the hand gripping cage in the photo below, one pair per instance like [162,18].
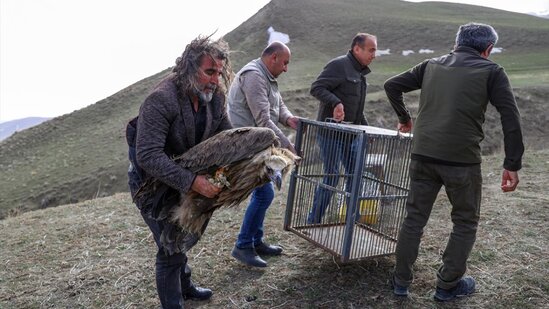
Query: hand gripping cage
[349,192]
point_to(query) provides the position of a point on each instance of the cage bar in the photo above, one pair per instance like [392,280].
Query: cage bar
[348,194]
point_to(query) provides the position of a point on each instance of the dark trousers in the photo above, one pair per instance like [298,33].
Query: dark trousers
[463,185]
[173,274]
[333,150]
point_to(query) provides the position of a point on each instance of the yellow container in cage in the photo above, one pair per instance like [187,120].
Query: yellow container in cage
[368,213]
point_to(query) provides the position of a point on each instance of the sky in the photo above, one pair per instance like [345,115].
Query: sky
[58,56]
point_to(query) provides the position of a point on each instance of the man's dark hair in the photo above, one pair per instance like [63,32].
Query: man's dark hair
[187,66]
[360,38]
[477,36]
[272,48]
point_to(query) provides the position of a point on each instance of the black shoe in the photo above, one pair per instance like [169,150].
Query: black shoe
[197,293]
[465,287]
[248,256]
[266,249]
[398,290]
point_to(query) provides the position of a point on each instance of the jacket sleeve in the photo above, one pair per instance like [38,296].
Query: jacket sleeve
[362,119]
[329,79]
[404,82]
[255,88]
[153,126]
[502,98]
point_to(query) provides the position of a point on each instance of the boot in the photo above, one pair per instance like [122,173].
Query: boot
[248,256]
[197,293]
[266,249]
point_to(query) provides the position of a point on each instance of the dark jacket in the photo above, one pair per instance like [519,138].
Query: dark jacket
[455,91]
[343,80]
[166,128]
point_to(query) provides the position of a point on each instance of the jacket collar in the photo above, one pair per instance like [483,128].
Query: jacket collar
[466,49]
[263,68]
[188,118]
[359,67]
[257,65]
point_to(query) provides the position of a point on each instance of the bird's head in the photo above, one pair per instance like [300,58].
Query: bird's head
[278,164]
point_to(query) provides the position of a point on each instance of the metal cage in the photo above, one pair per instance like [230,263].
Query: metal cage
[348,193]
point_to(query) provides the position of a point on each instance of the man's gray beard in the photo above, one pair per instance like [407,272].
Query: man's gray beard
[205,97]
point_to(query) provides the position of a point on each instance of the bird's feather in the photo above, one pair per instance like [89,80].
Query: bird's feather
[248,157]
[227,147]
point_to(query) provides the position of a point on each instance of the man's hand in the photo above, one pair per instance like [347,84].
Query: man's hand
[405,127]
[509,181]
[292,122]
[339,112]
[202,186]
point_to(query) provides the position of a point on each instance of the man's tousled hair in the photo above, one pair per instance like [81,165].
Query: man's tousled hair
[188,64]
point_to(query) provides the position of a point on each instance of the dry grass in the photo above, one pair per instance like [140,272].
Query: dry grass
[99,254]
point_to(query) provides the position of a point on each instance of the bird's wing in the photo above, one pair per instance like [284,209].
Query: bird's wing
[227,147]
[222,149]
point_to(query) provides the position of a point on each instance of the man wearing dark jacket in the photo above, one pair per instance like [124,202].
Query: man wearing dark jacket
[187,107]
[455,91]
[341,90]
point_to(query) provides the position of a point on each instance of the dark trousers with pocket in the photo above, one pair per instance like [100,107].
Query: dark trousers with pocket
[463,185]
[173,274]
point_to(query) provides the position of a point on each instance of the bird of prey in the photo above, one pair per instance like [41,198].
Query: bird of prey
[238,161]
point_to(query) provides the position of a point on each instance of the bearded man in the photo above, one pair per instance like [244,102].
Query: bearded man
[185,108]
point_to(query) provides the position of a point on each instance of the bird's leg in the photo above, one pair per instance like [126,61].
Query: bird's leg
[219,178]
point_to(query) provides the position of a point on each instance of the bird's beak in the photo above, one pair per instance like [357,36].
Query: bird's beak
[276,178]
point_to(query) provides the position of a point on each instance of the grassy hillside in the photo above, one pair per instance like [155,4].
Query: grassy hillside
[82,155]
[71,158]
[99,254]
[322,29]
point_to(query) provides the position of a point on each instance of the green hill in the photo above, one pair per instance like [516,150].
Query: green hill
[82,155]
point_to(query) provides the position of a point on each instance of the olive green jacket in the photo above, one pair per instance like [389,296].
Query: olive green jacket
[455,91]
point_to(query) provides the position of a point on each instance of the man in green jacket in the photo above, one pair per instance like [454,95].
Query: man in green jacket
[455,91]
